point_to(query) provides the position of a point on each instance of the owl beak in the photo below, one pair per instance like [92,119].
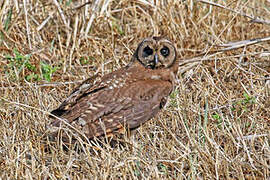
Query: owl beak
[153,63]
[156,59]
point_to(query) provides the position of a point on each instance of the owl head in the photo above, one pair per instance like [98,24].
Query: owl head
[156,53]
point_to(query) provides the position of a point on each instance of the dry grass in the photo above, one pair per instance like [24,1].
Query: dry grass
[216,124]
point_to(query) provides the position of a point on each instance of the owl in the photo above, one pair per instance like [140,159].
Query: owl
[124,99]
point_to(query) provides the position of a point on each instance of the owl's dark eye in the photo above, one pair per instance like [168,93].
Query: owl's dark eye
[165,51]
[147,51]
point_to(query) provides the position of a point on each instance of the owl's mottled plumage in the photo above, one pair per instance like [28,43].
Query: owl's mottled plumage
[125,98]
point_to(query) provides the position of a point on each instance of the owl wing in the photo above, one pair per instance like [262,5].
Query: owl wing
[105,110]
[85,90]
[145,99]
[75,95]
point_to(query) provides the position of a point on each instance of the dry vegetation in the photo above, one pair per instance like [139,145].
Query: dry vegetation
[216,124]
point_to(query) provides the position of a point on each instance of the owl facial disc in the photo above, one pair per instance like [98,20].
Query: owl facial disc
[156,53]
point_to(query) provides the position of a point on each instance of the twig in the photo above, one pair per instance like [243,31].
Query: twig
[27,24]
[229,46]
[43,85]
[74,39]
[81,5]
[253,19]
[250,137]
[93,16]
[45,21]
[239,44]
[61,13]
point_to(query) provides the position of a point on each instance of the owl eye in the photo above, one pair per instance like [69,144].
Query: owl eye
[147,51]
[165,51]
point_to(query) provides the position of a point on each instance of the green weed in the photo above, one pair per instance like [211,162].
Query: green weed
[19,67]
[47,71]
[17,64]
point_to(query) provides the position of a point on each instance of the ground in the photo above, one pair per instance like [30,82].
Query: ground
[215,126]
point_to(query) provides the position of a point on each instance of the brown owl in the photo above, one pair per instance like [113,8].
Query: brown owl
[123,99]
